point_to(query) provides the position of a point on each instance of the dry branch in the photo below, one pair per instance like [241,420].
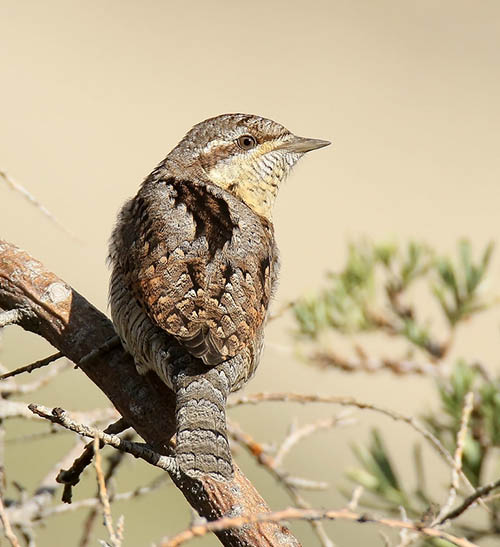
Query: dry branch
[303,398]
[139,450]
[33,366]
[52,309]
[14,185]
[71,477]
[478,494]
[103,496]
[92,503]
[30,510]
[457,458]
[313,515]
[7,529]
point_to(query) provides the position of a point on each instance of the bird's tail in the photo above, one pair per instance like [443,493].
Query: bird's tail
[202,444]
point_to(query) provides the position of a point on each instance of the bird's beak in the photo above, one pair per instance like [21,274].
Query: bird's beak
[302,144]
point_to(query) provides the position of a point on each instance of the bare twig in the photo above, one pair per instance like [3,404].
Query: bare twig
[300,483]
[71,477]
[103,495]
[120,527]
[11,183]
[15,409]
[350,401]
[268,462]
[139,450]
[355,497]
[384,538]
[479,493]
[93,502]
[114,461]
[31,508]
[309,514]
[33,366]
[329,358]
[35,436]
[110,344]
[291,484]
[11,387]
[405,536]
[435,349]
[18,409]
[457,458]
[298,434]
[7,530]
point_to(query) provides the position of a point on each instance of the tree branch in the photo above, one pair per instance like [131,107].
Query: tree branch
[52,309]
[139,450]
[293,513]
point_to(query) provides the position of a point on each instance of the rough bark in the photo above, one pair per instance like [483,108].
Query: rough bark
[52,309]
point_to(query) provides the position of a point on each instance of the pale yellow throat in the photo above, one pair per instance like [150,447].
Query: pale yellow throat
[253,178]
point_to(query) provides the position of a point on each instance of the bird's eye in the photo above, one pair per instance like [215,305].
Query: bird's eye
[246,142]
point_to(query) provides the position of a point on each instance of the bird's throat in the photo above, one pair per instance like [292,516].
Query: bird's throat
[257,190]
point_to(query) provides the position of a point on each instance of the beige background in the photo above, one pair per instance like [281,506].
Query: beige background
[94,94]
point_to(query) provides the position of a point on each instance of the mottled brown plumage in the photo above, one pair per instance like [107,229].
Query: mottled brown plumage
[194,266]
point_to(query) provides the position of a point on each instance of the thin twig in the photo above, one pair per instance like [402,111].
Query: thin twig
[33,366]
[291,484]
[15,409]
[110,344]
[385,539]
[329,358]
[406,537]
[92,502]
[139,450]
[11,387]
[31,508]
[103,495]
[298,434]
[457,458]
[35,436]
[120,528]
[71,477]
[260,452]
[350,401]
[475,496]
[293,513]
[114,461]
[18,409]
[355,497]
[29,197]
[434,348]
[7,530]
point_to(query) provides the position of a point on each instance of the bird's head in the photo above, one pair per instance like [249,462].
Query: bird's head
[246,155]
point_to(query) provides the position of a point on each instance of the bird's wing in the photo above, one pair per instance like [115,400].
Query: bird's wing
[200,275]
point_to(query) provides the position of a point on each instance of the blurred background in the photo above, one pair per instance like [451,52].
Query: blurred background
[93,95]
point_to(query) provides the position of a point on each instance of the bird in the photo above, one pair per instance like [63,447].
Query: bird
[194,267]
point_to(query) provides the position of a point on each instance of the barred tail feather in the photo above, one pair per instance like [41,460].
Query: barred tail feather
[202,443]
